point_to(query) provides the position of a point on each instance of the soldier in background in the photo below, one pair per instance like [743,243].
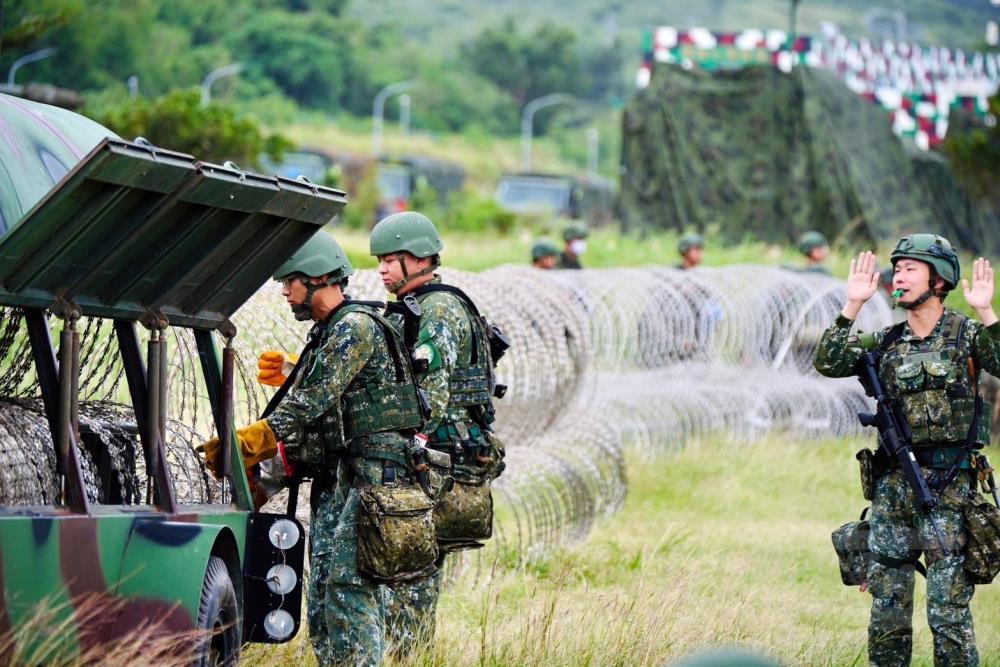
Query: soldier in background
[544,254]
[815,247]
[691,248]
[929,367]
[575,238]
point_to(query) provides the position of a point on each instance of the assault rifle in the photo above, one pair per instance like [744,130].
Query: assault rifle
[894,438]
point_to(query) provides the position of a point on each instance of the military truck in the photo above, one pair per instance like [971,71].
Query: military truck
[135,236]
[591,199]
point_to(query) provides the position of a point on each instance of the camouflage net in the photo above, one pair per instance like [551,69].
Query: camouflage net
[603,361]
[760,152]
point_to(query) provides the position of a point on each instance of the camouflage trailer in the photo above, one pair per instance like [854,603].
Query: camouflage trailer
[100,228]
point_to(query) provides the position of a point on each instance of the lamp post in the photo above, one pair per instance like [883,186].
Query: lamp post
[215,75]
[404,113]
[34,56]
[528,119]
[378,110]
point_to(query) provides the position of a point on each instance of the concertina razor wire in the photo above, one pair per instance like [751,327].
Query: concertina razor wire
[602,361]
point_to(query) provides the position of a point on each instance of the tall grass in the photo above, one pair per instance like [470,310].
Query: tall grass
[722,543]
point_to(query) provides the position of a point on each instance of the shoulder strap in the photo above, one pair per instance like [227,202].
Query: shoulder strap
[476,318]
[371,309]
[451,289]
[891,336]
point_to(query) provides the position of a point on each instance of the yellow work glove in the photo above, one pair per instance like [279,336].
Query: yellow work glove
[257,443]
[274,367]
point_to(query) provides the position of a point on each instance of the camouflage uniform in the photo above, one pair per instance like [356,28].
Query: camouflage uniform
[345,610]
[930,380]
[567,261]
[445,340]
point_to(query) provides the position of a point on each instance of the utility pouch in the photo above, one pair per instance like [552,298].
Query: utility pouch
[851,543]
[464,515]
[396,537]
[982,546]
[866,462]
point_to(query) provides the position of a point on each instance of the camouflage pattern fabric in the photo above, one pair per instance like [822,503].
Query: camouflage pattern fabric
[568,262]
[935,415]
[411,607]
[899,531]
[759,152]
[345,610]
[309,419]
[445,339]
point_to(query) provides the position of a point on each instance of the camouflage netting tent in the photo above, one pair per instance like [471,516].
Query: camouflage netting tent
[754,151]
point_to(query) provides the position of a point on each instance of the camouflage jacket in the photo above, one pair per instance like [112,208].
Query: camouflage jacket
[352,353]
[568,261]
[445,340]
[929,378]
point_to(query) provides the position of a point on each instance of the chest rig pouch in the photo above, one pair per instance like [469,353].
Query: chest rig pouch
[373,403]
[934,383]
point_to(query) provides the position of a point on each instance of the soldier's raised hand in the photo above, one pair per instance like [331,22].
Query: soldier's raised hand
[862,279]
[980,294]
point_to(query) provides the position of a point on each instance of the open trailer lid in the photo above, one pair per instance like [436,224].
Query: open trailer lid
[134,229]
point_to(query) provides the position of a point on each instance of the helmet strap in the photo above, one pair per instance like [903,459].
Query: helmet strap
[407,277]
[303,311]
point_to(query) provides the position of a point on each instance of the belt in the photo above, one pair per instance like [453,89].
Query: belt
[941,455]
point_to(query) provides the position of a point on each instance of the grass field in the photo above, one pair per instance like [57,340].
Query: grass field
[720,543]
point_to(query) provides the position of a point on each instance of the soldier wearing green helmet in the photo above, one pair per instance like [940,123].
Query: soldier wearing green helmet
[575,238]
[691,248]
[816,248]
[544,254]
[929,366]
[324,424]
[453,349]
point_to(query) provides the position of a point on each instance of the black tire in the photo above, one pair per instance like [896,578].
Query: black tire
[218,619]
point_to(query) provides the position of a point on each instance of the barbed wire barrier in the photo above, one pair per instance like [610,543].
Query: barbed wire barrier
[602,361]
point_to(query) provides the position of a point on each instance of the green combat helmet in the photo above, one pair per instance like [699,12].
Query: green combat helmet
[810,241]
[575,231]
[321,255]
[933,250]
[410,232]
[543,248]
[689,241]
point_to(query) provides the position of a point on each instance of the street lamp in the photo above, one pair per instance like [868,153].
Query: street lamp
[215,75]
[378,110]
[29,58]
[527,122]
[404,113]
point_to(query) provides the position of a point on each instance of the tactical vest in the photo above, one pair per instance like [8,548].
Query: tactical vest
[373,403]
[935,384]
[471,385]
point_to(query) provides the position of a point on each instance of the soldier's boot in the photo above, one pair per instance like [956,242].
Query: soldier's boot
[948,596]
[890,631]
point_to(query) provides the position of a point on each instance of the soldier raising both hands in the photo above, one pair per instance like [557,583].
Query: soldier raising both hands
[929,368]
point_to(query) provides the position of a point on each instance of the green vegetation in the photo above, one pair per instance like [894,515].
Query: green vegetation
[718,543]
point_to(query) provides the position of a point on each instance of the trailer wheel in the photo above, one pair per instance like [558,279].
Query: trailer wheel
[218,618]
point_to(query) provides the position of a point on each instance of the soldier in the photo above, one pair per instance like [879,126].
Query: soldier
[453,349]
[575,237]
[929,368]
[814,246]
[544,254]
[691,249]
[328,427]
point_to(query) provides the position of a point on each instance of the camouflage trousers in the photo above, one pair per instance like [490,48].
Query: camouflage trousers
[410,615]
[346,611]
[901,532]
